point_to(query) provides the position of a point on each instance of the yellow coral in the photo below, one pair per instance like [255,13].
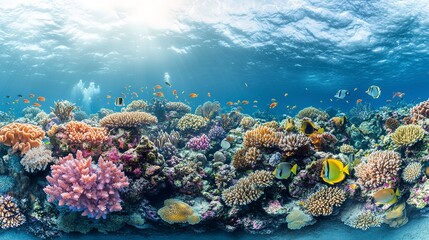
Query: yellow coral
[128,120]
[21,137]
[191,122]
[322,202]
[407,135]
[176,211]
[261,136]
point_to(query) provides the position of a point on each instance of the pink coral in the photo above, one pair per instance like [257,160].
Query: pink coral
[83,186]
[420,111]
[199,143]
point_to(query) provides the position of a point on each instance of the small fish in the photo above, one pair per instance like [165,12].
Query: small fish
[158,86]
[306,89]
[31,95]
[308,127]
[159,94]
[321,101]
[398,94]
[37,104]
[246,84]
[331,99]
[374,91]
[273,100]
[167,79]
[358,101]
[20,95]
[273,105]
[255,106]
[183,92]
[255,101]
[41,99]
[108,96]
[229,103]
[286,94]
[174,92]
[209,94]
[290,124]
[355,89]
[341,94]
[388,100]
[193,95]
[119,102]
[333,171]
[293,107]
[245,102]
[386,196]
[284,170]
[26,101]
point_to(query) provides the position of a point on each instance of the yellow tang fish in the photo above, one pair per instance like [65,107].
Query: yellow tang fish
[386,196]
[290,124]
[333,171]
[284,170]
[308,127]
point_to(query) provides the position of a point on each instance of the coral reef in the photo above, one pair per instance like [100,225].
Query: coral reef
[208,110]
[295,145]
[312,113]
[246,158]
[298,219]
[37,159]
[261,137]
[21,137]
[419,194]
[63,110]
[407,135]
[199,143]
[397,216]
[128,120]
[136,106]
[10,215]
[347,149]
[178,107]
[359,218]
[192,123]
[420,111]
[412,172]
[247,122]
[322,202]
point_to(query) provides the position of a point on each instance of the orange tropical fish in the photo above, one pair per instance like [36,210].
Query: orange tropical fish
[193,95]
[159,94]
[358,101]
[229,103]
[245,102]
[31,95]
[174,92]
[37,104]
[209,94]
[108,96]
[398,94]
[26,101]
[158,86]
[41,99]
[273,105]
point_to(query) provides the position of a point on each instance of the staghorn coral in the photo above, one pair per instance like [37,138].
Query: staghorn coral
[192,123]
[248,189]
[247,122]
[420,111]
[261,137]
[178,107]
[380,168]
[128,120]
[407,135]
[136,106]
[82,186]
[208,110]
[10,215]
[347,149]
[297,219]
[63,110]
[312,113]
[176,211]
[246,158]
[295,145]
[391,124]
[37,159]
[21,137]
[412,172]
[322,202]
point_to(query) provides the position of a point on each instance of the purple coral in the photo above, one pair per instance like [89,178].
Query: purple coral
[216,132]
[199,143]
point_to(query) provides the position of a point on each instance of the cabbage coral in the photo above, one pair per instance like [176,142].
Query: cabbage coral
[248,189]
[21,137]
[128,120]
[407,135]
[381,167]
[261,136]
[322,202]
[175,211]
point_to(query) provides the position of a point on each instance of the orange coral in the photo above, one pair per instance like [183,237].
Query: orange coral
[21,137]
[79,132]
[261,136]
[175,211]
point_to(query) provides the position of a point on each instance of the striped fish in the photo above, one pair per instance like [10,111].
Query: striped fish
[374,91]
[341,94]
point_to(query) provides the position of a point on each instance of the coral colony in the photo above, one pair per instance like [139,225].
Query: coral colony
[158,165]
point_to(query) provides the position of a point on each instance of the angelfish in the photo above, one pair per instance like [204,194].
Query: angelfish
[334,171]
[386,196]
[284,170]
[374,91]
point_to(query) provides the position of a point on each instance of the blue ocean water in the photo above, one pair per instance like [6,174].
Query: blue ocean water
[295,53]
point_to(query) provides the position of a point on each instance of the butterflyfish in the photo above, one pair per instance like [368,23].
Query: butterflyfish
[339,121]
[308,127]
[386,196]
[119,102]
[341,94]
[334,171]
[284,170]
[290,124]
[374,91]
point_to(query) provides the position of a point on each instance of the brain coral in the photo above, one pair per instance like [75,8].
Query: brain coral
[312,113]
[380,168]
[128,120]
[37,159]
[261,136]
[407,135]
[191,122]
[295,144]
[412,172]
[175,211]
[420,111]
[21,137]
[248,189]
[322,202]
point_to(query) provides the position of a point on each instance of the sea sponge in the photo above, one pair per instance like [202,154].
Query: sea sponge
[295,145]
[10,215]
[21,137]
[407,135]
[248,189]
[380,168]
[297,219]
[37,159]
[322,202]
[412,172]
[128,120]
[136,106]
[312,113]
[420,111]
[176,211]
[247,122]
[246,158]
[191,122]
[347,149]
[261,136]
[397,216]
[178,107]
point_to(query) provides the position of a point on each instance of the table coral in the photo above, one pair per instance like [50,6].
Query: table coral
[128,120]
[21,137]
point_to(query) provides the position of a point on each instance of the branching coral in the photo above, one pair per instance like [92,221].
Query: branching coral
[420,111]
[358,218]
[248,189]
[21,137]
[10,215]
[246,158]
[295,145]
[407,135]
[208,110]
[322,202]
[176,211]
[178,107]
[191,122]
[412,172]
[63,110]
[312,113]
[381,167]
[128,120]
[347,149]
[136,106]
[199,143]
[82,186]
[261,137]
[37,159]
